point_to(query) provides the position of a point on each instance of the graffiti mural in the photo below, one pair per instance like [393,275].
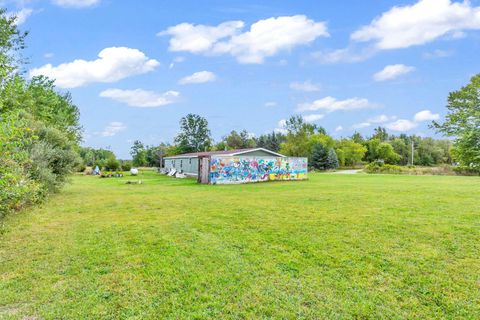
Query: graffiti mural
[228,170]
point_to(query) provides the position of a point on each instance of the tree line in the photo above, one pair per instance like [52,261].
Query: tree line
[39,128]
[302,139]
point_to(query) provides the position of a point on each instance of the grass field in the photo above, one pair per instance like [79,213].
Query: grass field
[336,246]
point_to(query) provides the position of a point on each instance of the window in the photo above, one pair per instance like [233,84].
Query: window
[181,163]
[190,161]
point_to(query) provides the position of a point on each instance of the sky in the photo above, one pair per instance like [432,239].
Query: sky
[134,68]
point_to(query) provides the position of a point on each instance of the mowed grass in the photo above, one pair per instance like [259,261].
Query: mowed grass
[333,247]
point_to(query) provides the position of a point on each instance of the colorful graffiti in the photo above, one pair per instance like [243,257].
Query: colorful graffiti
[229,170]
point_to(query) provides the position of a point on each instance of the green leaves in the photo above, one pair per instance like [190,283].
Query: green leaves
[463,122]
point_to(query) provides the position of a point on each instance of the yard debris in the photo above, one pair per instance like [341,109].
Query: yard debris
[180,175]
[134,182]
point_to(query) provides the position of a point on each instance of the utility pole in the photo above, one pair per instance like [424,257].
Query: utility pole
[413,150]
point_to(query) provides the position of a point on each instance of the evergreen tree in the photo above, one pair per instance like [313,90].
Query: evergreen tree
[319,156]
[332,159]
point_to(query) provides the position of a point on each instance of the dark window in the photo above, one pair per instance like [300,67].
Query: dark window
[181,163]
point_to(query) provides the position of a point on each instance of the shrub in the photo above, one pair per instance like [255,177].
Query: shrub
[126,165]
[112,164]
[467,171]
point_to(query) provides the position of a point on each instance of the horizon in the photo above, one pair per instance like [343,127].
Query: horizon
[247,66]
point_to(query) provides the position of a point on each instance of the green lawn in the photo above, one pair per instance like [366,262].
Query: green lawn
[335,246]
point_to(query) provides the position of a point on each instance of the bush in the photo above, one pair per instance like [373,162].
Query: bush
[379,167]
[467,171]
[112,164]
[126,165]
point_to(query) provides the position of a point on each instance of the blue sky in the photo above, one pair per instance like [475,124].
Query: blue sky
[135,69]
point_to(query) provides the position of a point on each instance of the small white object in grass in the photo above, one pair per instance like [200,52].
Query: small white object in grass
[134,171]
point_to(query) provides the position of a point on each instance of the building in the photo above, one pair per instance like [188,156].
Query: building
[238,166]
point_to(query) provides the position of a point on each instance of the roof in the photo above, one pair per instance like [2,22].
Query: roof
[225,153]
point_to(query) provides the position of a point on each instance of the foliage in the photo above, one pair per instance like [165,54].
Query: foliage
[112,164]
[332,159]
[271,141]
[92,157]
[194,134]
[463,122]
[39,128]
[242,140]
[350,153]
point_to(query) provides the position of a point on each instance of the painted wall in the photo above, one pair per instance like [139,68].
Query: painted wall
[229,170]
[185,165]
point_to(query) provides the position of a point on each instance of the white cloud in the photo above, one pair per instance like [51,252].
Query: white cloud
[381,119]
[141,98]
[361,125]
[270,104]
[48,55]
[306,86]
[112,129]
[22,15]
[198,77]
[113,64]
[425,115]
[199,38]
[339,128]
[75,3]
[313,117]
[264,39]
[393,71]
[401,125]
[330,104]
[420,23]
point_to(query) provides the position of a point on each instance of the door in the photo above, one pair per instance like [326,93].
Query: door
[203,170]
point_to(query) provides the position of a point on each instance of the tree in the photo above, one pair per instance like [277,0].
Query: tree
[402,149]
[332,159]
[138,153]
[386,153]
[349,152]
[319,156]
[271,141]
[380,134]
[463,123]
[242,140]
[194,135]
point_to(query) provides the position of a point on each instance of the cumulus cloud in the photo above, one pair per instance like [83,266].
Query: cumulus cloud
[401,125]
[265,38]
[141,98]
[113,64]
[393,71]
[199,38]
[198,77]
[420,23]
[313,117]
[338,129]
[330,104]
[75,3]
[426,115]
[306,86]
[112,129]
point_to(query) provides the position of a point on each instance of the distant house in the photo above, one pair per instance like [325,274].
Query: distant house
[238,166]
